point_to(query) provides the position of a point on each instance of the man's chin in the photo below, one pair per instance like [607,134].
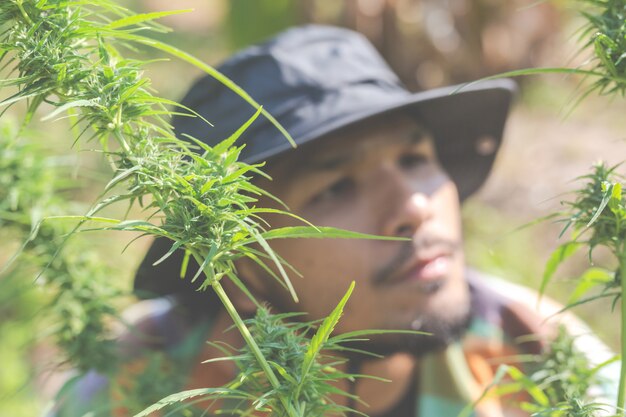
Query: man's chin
[440,333]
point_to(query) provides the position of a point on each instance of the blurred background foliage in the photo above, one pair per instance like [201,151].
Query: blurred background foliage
[430,43]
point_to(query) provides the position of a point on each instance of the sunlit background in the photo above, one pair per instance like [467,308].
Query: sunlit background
[430,43]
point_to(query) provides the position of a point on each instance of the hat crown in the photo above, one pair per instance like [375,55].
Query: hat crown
[288,75]
[318,56]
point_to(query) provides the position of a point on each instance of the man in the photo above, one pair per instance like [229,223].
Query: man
[372,158]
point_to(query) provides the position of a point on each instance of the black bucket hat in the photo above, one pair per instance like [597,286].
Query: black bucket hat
[316,80]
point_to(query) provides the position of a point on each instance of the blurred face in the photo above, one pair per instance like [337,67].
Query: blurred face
[381,178]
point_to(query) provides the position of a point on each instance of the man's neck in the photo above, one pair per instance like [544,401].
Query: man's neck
[398,373]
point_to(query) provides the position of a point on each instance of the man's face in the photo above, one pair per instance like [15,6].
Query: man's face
[380,178]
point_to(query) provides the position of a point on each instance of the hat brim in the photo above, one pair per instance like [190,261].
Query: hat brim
[467,123]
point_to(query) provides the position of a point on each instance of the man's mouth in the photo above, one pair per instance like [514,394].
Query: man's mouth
[429,269]
[425,267]
[426,272]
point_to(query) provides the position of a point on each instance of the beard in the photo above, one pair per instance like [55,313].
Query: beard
[441,327]
[439,331]
[442,331]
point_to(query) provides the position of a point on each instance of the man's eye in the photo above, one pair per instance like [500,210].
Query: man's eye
[412,160]
[338,189]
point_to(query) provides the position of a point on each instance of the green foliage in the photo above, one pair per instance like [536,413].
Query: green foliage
[558,382]
[304,372]
[563,372]
[304,378]
[200,394]
[251,22]
[305,358]
[597,217]
[67,54]
[565,376]
[77,282]
[157,379]
[25,181]
[206,197]
[600,209]
[83,308]
[606,30]
[603,41]
[73,308]
[19,301]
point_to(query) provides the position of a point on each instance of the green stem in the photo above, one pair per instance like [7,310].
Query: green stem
[247,336]
[621,395]
[24,14]
[122,142]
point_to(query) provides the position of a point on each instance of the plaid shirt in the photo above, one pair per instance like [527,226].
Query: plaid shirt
[448,382]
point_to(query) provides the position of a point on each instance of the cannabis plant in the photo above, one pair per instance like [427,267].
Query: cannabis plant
[307,360]
[80,295]
[597,218]
[605,32]
[69,55]
[559,382]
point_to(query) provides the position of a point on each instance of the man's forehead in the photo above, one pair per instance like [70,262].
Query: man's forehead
[343,147]
[332,157]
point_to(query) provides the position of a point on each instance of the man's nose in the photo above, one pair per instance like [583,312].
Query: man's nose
[406,205]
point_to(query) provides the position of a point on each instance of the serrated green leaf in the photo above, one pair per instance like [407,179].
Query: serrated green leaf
[12,81]
[236,174]
[258,237]
[164,101]
[319,233]
[235,279]
[22,95]
[323,333]
[501,372]
[605,200]
[283,372]
[556,258]
[120,177]
[185,395]
[209,257]
[199,204]
[373,332]
[84,218]
[250,211]
[70,105]
[143,17]
[207,185]
[134,225]
[591,278]
[615,202]
[224,145]
[527,71]
[209,70]
[531,388]
[172,249]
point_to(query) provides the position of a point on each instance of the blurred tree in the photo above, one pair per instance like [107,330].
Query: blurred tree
[251,21]
[431,43]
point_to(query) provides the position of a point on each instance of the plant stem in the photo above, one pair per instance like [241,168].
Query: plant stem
[245,333]
[24,14]
[621,394]
[121,140]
